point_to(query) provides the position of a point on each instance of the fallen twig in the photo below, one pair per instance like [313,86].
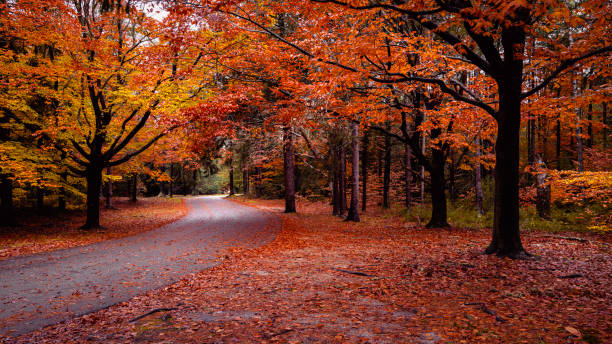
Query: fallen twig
[485,309]
[278,333]
[153,311]
[572,276]
[583,240]
[354,272]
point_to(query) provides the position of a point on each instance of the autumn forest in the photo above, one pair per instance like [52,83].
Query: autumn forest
[368,171]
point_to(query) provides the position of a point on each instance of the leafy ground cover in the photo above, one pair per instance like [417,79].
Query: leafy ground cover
[379,281]
[40,233]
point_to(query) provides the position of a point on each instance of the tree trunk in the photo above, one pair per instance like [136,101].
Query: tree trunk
[364,171]
[6,196]
[342,180]
[604,119]
[258,182]
[422,173]
[61,201]
[336,200]
[40,198]
[543,189]
[353,214]
[452,189]
[558,145]
[387,170]
[94,182]
[245,180]
[171,184]
[438,194]
[478,179]
[408,176]
[289,171]
[506,239]
[590,127]
[578,110]
[134,188]
[232,190]
[109,190]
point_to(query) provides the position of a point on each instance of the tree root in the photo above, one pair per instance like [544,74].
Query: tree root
[354,272]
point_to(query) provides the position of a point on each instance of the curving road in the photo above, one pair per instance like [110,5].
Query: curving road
[44,289]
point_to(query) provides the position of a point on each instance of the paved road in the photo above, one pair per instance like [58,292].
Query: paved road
[44,289]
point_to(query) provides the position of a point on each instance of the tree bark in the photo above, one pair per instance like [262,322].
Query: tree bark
[604,119]
[6,196]
[289,170]
[40,198]
[364,171]
[94,182]
[232,189]
[478,179]
[452,189]
[109,190]
[558,145]
[336,200]
[422,173]
[342,179]
[134,188]
[245,180]
[438,194]
[506,239]
[578,110]
[408,176]
[387,170]
[353,214]
[543,189]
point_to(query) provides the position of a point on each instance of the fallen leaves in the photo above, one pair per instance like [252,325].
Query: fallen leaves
[413,286]
[38,234]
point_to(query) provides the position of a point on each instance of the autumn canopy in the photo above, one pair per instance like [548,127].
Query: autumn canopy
[490,107]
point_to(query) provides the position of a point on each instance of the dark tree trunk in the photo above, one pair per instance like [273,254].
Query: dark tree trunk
[387,170]
[590,126]
[258,182]
[94,182]
[364,171]
[61,201]
[289,171]
[245,180]
[506,239]
[134,188]
[232,189]
[452,189]
[558,145]
[6,196]
[438,194]
[422,191]
[604,119]
[408,176]
[109,190]
[171,184]
[543,189]
[478,179]
[40,198]
[353,214]
[342,179]
[531,141]
[336,199]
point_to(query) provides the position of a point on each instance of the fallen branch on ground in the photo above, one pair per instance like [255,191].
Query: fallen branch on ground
[485,309]
[354,272]
[154,311]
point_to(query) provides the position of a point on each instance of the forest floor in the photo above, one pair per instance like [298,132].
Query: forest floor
[38,233]
[382,280]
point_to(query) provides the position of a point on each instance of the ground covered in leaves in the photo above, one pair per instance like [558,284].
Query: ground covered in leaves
[379,281]
[42,233]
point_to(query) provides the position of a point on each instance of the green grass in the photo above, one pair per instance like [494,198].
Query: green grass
[563,219]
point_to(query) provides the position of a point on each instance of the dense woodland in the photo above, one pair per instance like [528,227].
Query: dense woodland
[472,111]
